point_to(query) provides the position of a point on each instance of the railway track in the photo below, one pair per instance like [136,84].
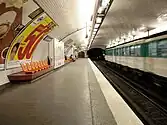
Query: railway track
[148,110]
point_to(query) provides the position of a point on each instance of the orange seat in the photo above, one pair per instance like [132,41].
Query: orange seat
[39,65]
[45,64]
[34,68]
[29,67]
[26,68]
[42,66]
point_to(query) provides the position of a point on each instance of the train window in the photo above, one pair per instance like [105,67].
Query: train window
[152,49]
[106,52]
[162,48]
[137,50]
[115,52]
[111,52]
[127,51]
[119,51]
[123,51]
[132,51]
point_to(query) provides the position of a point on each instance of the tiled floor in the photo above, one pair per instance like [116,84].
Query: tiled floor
[69,96]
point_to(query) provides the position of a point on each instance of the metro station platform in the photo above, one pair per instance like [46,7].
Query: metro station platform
[76,94]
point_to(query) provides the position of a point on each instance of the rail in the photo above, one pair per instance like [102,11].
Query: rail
[147,109]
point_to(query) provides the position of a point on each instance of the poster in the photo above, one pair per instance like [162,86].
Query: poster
[25,43]
[59,53]
[10,18]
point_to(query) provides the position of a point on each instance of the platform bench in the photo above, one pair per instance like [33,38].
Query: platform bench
[30,72]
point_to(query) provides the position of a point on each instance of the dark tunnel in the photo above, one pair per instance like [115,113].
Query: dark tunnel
[96,54]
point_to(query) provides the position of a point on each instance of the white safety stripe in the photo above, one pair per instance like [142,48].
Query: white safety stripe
[122,112]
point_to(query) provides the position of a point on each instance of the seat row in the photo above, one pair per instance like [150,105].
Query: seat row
[33,67]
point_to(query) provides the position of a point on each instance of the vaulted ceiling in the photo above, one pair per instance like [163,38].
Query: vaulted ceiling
[70,15]
[124,16]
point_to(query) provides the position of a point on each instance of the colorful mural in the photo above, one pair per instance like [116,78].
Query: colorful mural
[10,18]
[25,43]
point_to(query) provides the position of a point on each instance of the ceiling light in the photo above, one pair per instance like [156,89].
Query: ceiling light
[124,36]
[133,32]
[143,28]
[95,30]
[98,20]
[162,17]
[104,3]
[94,33]
[101,9]
[117,39]
[97,25]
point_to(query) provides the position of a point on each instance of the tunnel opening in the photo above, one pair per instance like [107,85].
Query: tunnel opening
[81,54]
[96,54]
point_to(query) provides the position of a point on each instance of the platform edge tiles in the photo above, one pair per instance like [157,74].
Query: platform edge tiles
[122,112]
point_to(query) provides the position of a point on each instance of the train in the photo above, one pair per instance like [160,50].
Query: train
[147,55]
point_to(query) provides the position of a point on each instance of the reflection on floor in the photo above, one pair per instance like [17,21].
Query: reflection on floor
[69,96]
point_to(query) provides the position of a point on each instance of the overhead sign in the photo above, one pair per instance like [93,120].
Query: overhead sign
[35,13]
[25,43]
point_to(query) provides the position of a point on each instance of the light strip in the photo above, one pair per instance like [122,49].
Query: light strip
[98,20]
[97,25]
[95,30]
[94,33]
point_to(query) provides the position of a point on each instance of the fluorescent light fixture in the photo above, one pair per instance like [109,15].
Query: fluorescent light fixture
[117,39]
[162,17]
[124,37]
[98,20]
[105,2]
[101,9]
[97,25]
[94,33]
[95,30]
[133,32]
[142,28]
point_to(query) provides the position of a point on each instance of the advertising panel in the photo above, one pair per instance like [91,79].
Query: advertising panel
[25,43]
[59,53]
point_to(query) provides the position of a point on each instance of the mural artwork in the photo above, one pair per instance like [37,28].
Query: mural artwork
[10,18]
[25,43]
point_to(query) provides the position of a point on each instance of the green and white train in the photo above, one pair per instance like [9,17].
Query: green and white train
[148,55]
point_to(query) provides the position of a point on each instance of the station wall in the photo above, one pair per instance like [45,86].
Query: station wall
[27,8]
[42,50]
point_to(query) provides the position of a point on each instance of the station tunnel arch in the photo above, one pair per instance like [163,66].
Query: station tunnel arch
[96,53]
[81,54]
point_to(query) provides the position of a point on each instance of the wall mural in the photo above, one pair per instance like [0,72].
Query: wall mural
[10,18]
[17,43]
[25,43]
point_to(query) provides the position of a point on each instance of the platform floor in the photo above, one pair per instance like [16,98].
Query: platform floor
[69,96]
